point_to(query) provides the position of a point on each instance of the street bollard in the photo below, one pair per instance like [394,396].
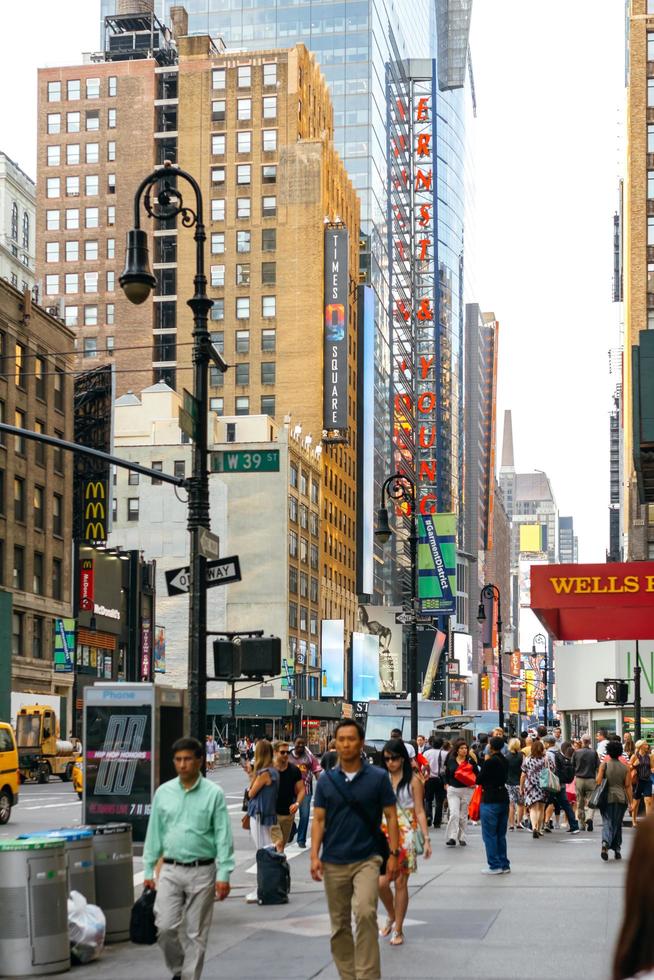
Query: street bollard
[34,911]
[80,864]
[114,876]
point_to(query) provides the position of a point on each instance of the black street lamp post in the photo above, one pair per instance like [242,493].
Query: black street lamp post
[402,490]
[540,638]
[163,200]
[492,592]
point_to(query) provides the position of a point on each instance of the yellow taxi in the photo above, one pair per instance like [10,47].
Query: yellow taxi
[9,779]
[78,776]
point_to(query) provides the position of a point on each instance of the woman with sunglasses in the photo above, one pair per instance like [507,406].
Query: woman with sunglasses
[412,819]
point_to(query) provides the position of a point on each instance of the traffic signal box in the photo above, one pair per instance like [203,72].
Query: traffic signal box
[251,656]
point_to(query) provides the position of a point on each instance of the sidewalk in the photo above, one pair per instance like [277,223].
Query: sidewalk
[554,917]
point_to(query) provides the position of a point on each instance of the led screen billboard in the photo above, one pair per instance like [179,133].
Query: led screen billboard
[333,658]
[365,667]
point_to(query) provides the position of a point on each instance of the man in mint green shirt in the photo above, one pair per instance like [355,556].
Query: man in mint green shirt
[189,828]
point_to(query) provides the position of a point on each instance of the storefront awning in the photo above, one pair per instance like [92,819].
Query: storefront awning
[614,601]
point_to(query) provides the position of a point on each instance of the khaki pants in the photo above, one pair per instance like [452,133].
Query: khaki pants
[281,830]
[184,894]
[458,800]
[354,888]
[584,789]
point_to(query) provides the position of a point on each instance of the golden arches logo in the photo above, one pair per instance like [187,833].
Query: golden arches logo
[95,489]
[95,510]
[95,532]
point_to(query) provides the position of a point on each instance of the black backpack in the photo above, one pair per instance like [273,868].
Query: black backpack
[141,923]
[565,769]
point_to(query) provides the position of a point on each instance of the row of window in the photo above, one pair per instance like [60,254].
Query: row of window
[90,345]
[38,504]
[241,374]
[92,89]
[18,628]
[242,340]
[19,442]
[70,251]
[299,513]
[242,405]
[244,241]
[30,365]
[38,583]
[300,584]
[244,207]
[244,142]
[268,276]
[72,218]
[74,153]
[73,121]
[300,481]
[73,186]
[244,76]
[308,621]
[244,109]
[90,316]
[244,174]
[307,552]
[72,283]
[14,225]
[268,303]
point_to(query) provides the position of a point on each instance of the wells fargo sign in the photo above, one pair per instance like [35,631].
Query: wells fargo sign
[614,601]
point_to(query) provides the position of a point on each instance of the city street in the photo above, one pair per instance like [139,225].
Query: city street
[461,925]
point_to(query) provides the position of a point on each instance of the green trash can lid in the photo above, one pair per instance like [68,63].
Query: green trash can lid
[33,844]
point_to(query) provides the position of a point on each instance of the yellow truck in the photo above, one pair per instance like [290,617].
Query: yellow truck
[41,752]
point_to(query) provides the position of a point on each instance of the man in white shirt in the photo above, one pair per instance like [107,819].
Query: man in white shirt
[396,733]
[435,785]
[601,743]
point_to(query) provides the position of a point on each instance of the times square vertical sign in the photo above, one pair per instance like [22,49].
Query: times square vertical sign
[414,283]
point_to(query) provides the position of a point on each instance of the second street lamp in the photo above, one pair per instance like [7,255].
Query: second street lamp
[400,489]
[492,592]
[162,199]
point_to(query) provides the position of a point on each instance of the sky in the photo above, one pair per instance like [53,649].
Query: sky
[549,81]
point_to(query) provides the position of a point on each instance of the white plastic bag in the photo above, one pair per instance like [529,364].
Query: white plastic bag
[86,928]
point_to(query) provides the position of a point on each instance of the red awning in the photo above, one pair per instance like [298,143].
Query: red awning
[595,602]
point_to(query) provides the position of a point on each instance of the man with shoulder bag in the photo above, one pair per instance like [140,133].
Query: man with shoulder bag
[435,785]
[347,851]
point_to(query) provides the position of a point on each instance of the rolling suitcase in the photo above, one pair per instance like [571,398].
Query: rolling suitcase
[273,877]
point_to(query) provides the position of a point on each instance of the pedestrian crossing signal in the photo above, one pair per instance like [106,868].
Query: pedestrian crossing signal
[611,691]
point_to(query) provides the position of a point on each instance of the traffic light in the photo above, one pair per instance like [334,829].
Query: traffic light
[612,691]
[226,659]
[261,656]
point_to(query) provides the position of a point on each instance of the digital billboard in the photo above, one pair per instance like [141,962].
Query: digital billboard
[463,652]
[380,622]
[333,658]
[335,380]
[437,563]
[365,667]
[531,538]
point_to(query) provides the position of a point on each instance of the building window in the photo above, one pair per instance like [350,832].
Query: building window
[243,207]
[92,152]
[54,156]
[304,619]
[111,151]
[243,241]
[292,544]
[242,341]
[650,46]
[73,122]
[243,173]
[179,468]
[243,109]
[268,405]
[294,475]
[304,550]
[269,140]
[91,251]
[54,91]
[218,309]
[217,176]
[270,107]
[57,514]
[218,209]
[92,88]
[37,574]
[52,251]
[39,455]
[218,144]
[91,282]
[242,405]
[17,625]
[314,556]
[242,307]
[73,89]
[244,76]
[292,580]
[216,377]
[111,183]
[217,405]
[51,285]
[111,248]
[217,243]
[110,281]
[72,219]
[268,207]
[650,231]
[92,217]
[217,276]
[242,274]
[54,123]
[218,79]
[269,173]
[112,88]
[132,508]
[20,376]
[37,637]
[650,92]
[110,316]
[314,590]
[269,75]
[268,273]
[19,499]
[218,110]
[111,118]
[52,220]
[90,347]
[91,185]
[111,215]
[72,186]
[19,441]
[292,509]
[52,189]
[59,393]
[242,374]
[56,578]
[39,378]
[92,120]
[269,240]
[71,281]
[26,230]
[268,306]
[292,615]
[244,142]
[267,372]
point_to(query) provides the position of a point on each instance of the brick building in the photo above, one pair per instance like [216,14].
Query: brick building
[35,494]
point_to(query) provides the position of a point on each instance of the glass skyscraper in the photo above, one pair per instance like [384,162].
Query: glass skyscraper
[354,41]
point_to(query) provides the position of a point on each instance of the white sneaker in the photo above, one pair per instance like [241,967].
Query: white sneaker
[252,898]
[492,871]
[506,871]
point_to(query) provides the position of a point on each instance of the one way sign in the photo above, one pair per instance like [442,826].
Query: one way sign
[220,572]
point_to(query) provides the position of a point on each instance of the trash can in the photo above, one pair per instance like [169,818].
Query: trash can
[33,904]
[78,844]
[114,876]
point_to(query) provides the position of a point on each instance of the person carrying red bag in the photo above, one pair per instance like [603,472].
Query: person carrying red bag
[460,778]
[495,808]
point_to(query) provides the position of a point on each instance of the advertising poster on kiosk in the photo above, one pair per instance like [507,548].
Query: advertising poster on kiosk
[365,667]
[119,755]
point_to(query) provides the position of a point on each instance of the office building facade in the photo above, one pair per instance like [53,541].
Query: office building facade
[568,542]
[17,220]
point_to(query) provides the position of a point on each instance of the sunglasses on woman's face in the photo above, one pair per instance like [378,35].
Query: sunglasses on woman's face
[391,758]
[283,752]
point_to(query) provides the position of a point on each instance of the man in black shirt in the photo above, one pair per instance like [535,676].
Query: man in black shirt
[495,808]
[289,796]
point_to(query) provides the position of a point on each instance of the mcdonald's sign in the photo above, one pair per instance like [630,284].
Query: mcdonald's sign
[95,510]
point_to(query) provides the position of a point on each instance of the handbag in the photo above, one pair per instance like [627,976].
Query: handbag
[599,796]
[474,808]
[381,841]
[142,928]
[465,774]
[549,781]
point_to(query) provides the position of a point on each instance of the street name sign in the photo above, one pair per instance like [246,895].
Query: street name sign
[245,461]
[405,618]
[187,424]
[209,544]
[221,572]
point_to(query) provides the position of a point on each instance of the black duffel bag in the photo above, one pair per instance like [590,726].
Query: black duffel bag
[142,929]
